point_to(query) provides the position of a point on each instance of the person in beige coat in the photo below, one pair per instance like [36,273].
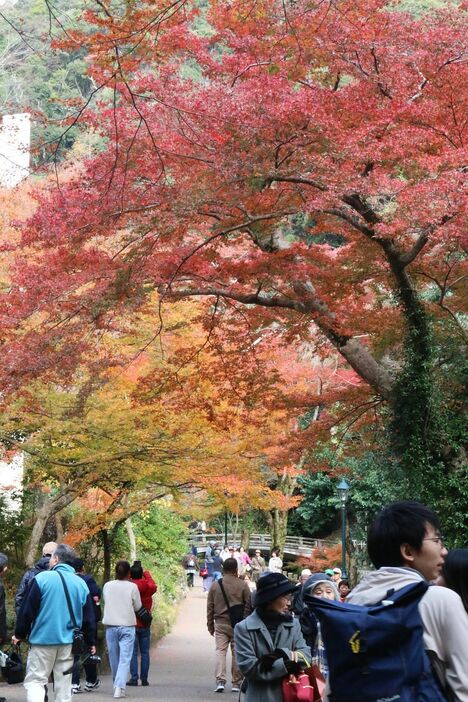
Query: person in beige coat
[219,623]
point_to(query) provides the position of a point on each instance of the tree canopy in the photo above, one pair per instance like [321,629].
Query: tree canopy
[298,166]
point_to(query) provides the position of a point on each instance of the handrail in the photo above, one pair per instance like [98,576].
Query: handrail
[294,544]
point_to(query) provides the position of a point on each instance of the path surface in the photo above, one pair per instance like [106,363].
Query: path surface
[182,664]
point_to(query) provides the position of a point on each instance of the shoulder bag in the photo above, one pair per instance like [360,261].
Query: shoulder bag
[78,644]
[236,612]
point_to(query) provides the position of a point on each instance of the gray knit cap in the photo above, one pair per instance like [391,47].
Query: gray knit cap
[3,561]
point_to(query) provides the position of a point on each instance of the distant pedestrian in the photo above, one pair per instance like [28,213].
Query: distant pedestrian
[147,588]
[121,601]
[225,553]
[44,619]
[297,603]
[343,589]
[454,573]
[190,564]
[257,564]
[208,573]
[219,623]
[275,564]
[217,565]
[244,560]
[41,565]
[3,620]
[336,577]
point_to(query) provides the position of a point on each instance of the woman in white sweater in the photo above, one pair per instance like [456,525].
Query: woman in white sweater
[121,601]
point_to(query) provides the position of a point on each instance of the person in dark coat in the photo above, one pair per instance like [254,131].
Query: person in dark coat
[3,623]
[92,681]
[41,565]
[268,641]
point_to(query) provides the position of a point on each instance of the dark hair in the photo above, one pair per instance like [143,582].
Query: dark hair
[230,565]
[78,564]
[65,554]
[343,582]
[396,524]
[136,571]
[455,572]
[122,569]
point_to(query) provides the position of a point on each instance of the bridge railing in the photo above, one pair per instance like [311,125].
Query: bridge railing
[294,545]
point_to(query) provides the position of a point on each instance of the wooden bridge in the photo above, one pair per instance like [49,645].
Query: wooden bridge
[294,546]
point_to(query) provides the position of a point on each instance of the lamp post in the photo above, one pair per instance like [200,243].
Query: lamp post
[343,490]
[226,495]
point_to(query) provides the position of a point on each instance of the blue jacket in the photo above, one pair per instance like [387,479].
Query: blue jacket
[44,617]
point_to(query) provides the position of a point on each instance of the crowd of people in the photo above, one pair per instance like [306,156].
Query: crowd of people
[58,607]
[277,630]
[282,629]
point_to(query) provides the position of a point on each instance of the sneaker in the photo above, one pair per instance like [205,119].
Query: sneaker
[132,682]
[144,683]
[234,688]
[119,692]
[76,689]
[219,686]
[92,686]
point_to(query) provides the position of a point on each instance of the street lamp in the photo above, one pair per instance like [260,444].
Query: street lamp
[343,490]
[226,495]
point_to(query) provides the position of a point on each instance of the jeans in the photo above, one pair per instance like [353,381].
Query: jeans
[142,642]
[207,583]
[217,575]
[120,640]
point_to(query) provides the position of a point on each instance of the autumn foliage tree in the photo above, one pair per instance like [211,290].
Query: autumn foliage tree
[298,164]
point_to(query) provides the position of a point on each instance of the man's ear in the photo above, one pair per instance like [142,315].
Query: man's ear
[407,553]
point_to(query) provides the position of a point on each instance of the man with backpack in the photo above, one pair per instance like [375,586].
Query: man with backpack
[394,621]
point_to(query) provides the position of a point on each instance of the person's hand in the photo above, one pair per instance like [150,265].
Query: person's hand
[266,661]
[15,641]
[294,667]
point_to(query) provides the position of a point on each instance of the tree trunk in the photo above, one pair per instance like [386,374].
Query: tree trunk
[245,537]
[106,555]
[59,527]
[280,530]
[49,509]
[131,538]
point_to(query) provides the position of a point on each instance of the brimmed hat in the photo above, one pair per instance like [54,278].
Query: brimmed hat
[271,586]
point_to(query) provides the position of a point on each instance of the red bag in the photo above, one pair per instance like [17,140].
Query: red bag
[297,688]
[204,572]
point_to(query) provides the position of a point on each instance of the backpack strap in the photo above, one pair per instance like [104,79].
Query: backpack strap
[67,597]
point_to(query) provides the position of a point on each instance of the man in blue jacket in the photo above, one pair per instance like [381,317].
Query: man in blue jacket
[44,619]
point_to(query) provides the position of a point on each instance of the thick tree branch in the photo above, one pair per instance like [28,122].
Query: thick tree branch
[356,354]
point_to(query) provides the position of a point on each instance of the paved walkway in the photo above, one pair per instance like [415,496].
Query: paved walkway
[182,664]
